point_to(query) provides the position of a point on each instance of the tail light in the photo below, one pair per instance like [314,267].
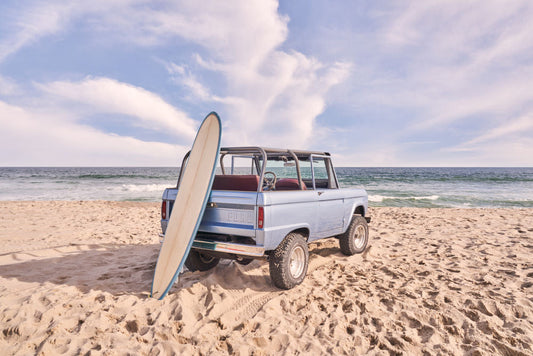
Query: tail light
[164,210]
[260,217]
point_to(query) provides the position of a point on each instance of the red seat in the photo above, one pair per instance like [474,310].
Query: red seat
[247,183]
[289,184]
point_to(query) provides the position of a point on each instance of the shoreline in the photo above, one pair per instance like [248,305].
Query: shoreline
[75,277]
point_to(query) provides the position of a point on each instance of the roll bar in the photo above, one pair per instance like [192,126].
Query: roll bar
[264,153]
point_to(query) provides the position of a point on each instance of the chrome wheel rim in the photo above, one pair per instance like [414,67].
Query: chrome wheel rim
[359,236]
[297,262]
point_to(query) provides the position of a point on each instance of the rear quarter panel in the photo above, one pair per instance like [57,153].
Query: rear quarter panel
[286,211]
[354,198]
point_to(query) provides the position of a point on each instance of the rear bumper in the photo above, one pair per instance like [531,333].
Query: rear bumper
[229,247]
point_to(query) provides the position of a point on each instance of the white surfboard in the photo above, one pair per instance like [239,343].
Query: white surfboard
[194,190]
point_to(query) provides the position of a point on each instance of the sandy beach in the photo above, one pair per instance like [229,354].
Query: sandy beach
[75,279]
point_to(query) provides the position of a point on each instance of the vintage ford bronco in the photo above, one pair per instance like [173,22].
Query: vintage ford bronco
[269,203]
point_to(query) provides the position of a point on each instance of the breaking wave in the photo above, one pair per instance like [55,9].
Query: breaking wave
[381,198]
[144,187]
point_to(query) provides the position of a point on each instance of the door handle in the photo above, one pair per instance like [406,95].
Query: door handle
[320,193]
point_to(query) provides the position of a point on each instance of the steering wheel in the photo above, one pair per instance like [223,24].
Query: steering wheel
[269,183]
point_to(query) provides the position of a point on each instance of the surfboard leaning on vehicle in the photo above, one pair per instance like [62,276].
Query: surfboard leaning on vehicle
[193,194]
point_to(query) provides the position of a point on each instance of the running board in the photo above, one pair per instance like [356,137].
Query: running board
[229,247]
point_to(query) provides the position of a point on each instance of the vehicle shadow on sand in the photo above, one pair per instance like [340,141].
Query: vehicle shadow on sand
[121,269]
[117,269]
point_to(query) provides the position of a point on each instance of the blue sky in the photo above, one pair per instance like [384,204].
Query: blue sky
[127,82]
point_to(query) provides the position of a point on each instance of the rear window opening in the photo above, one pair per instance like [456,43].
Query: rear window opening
[240,169]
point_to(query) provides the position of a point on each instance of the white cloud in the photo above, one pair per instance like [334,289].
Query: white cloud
[30,138]
[466,58]
[183,76]
[453,71]
[30,24]
[234,31]
[521,125]
[452,28]
[428,66]
[508,143]
[279,105]
[49,131]
[110,96]
[500,152]
[479,101]
[272,96]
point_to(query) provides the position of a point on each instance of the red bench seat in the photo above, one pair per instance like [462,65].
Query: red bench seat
[247,183]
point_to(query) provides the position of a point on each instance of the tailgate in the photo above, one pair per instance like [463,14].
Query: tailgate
[230,213]
[227,212]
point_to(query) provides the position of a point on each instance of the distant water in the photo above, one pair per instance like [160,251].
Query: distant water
[443,187]
[78,183]
[417,187]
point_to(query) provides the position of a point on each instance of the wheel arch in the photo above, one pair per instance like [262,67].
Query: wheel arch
[359,210]
[302,231]
[271,238]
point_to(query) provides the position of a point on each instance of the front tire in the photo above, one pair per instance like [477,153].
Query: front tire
[197,261]
[355,239]
[289,261]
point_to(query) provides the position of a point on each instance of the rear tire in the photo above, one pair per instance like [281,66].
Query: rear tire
[197,261]
[355,239]
[289,261]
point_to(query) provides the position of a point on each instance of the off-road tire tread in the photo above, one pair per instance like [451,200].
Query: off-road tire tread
[279,262]
[346,241]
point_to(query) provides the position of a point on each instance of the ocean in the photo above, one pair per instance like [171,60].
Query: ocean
[398,187]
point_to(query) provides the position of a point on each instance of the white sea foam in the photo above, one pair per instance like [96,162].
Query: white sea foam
[376,198]
[380,198]
[144,187]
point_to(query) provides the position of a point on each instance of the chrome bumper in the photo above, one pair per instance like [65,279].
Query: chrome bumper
[229,247]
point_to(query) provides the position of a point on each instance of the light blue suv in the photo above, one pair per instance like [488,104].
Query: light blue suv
[270,203]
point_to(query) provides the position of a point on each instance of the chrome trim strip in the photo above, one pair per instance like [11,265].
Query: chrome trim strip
[229,247]
[231,206]
[224,224]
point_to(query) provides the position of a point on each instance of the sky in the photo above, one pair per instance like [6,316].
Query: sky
[375,83]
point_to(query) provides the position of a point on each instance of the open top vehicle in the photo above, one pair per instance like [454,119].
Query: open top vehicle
[270,203]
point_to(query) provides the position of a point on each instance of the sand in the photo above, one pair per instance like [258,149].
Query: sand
[75,279]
